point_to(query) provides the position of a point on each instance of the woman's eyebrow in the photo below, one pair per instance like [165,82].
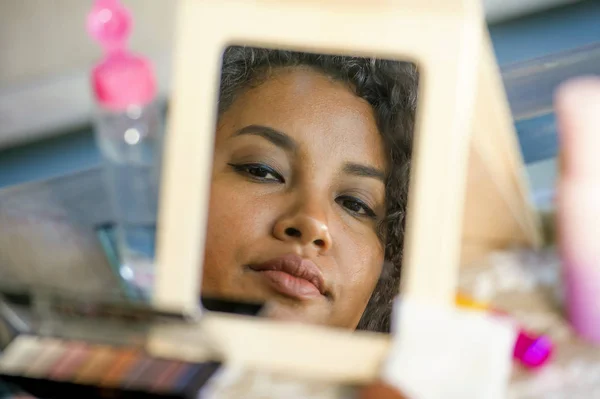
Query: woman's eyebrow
[364,171]
[276,137]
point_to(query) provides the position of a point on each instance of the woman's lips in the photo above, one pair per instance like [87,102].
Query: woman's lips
[293,276]
[289,285]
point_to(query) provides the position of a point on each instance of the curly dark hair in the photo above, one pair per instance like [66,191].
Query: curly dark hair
[391,89]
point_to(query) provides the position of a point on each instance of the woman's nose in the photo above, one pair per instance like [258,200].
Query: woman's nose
[305,228]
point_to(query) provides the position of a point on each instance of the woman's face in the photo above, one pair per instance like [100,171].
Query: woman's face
[297,193]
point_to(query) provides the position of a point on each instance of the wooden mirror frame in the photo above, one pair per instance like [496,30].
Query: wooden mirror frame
[467,195]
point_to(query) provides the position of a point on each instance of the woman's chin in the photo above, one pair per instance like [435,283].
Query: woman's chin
[293,313]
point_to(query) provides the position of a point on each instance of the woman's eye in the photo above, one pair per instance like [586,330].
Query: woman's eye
[356,206]
[259,172]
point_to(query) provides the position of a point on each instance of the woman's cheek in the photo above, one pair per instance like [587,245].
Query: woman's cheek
[361,263]
[360,278]
[241,212]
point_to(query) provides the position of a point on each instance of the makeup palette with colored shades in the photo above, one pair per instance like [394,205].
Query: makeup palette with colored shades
[52,346]
[50,367]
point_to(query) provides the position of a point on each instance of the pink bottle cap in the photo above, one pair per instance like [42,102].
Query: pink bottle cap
[121,79]
[532,351]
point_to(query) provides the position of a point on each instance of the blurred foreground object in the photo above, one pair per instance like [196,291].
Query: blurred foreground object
[449,352]
[578,110]
[380,390]
[528,286]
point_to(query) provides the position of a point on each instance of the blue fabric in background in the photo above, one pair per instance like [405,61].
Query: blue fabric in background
[514,41]
[552,31]
[538,138]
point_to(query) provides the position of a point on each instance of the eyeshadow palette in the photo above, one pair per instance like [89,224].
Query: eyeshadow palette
[51,367]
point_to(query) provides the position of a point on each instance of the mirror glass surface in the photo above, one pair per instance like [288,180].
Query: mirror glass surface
[309,185]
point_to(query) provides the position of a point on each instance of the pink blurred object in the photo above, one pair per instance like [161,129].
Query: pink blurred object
[578,115]
[122,78]
[532,351]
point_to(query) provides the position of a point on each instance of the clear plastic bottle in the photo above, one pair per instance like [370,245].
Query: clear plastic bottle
[129,132]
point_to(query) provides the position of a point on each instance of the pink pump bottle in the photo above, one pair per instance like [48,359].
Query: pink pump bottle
[129,133]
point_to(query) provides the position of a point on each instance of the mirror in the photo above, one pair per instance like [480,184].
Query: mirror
[309,183]
[196,165]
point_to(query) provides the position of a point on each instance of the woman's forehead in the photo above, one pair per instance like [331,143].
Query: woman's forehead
[319,113]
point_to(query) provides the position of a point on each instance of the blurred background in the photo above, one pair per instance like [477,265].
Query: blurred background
[46,56]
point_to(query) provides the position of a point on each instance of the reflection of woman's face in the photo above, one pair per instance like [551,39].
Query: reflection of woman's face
[297,193]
